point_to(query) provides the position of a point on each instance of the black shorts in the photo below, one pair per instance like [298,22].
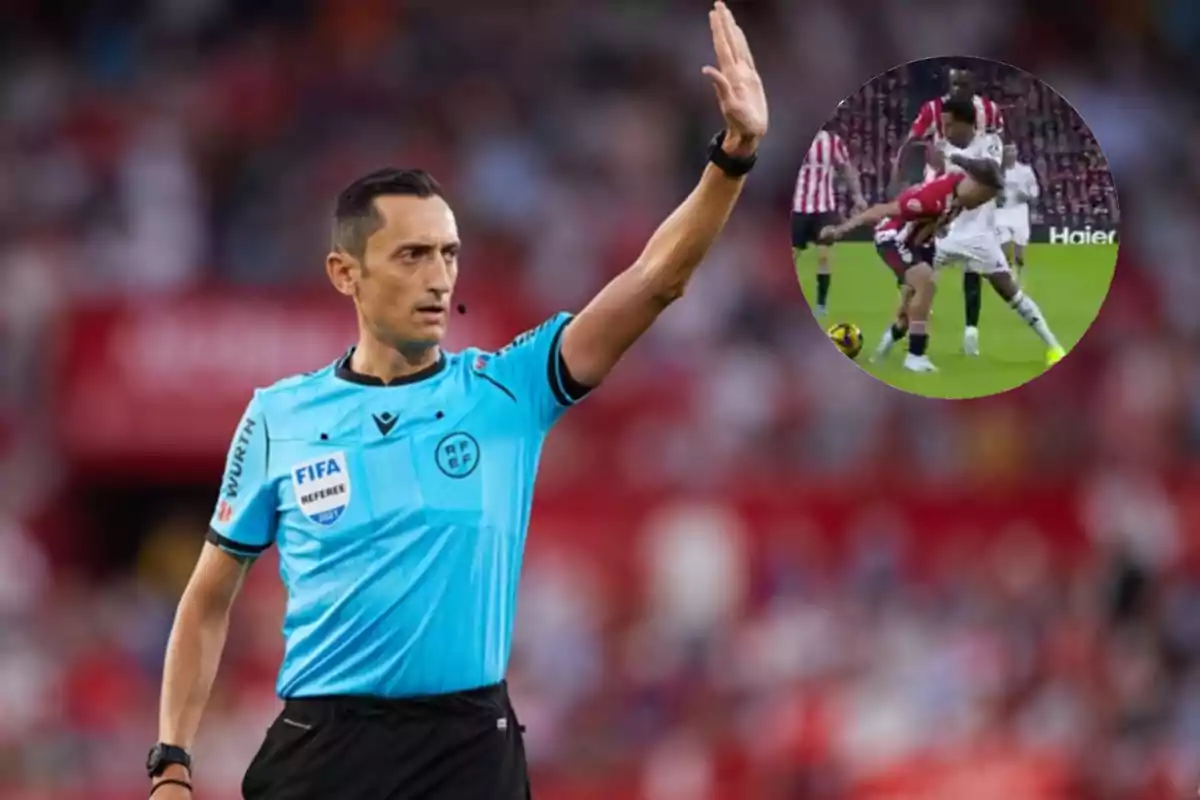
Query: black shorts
[806,228]
[461,746]
[899,258]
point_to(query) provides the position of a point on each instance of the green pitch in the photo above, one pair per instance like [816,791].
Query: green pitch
[1068,282]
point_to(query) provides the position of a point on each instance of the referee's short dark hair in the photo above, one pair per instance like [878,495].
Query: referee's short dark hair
[356,216]
[960,110]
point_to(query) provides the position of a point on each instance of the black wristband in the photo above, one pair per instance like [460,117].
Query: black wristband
[169,782]
[163,755]
[732,166]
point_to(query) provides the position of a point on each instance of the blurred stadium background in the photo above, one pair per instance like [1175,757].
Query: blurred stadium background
[1050,136]
[754,572]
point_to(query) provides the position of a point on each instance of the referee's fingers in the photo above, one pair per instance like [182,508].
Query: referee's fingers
[720,83]
[722,39]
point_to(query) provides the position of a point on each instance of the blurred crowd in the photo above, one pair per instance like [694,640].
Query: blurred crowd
[159,147]
[732,664]
[1049,134]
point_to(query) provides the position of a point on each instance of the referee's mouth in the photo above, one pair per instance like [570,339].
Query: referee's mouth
[431,312]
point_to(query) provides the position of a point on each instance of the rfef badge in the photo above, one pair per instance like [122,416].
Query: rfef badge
[322,487]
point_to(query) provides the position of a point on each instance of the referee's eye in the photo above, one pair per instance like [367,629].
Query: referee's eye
[419,253]
[414,254]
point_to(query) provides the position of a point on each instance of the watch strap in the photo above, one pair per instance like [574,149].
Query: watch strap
[163,755]
[733,166]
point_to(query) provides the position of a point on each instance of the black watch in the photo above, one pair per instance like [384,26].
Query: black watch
[733,166]
[164,755]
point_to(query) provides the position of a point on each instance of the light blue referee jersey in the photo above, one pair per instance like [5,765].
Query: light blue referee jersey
[399,511]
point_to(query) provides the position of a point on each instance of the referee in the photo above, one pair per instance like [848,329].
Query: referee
[397,483]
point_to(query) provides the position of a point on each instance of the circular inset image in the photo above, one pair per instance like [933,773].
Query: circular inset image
[954,227]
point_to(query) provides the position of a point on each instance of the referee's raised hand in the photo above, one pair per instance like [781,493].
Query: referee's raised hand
[736,81]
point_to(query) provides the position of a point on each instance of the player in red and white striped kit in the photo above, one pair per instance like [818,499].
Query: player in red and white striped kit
[814,204]
[905,239]
[930,126]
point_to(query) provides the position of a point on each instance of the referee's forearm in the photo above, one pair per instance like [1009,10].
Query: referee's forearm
[193,655]
[683,239]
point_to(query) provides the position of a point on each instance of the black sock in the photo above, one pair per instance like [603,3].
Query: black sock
[822,288]
[898,333]
[917,342]
[973,294]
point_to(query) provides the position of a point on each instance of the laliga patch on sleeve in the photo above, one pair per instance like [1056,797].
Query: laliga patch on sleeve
[914,205]
[322,487]
[995,150]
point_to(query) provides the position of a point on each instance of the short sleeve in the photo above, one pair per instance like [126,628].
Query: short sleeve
[532,369]
[998,119]
[841,156]
[993,148]
[244,520]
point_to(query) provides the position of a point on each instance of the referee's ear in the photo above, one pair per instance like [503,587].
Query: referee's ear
[344,271]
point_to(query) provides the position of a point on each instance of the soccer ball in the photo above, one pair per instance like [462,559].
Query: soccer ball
[846,337]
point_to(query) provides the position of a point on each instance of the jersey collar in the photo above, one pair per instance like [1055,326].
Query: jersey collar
[344,371]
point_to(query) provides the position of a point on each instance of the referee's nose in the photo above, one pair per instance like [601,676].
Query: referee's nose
[438,275]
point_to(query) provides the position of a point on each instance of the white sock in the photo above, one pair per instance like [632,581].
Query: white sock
[1023,304]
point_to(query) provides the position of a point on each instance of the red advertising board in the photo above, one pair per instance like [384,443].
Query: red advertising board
[168,379]
[156,388]
[160,383]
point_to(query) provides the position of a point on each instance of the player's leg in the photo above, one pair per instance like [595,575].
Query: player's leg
[899,327]
[805,231]
[798,243]
[1005,232]
[824,264]
[892,257]
[972,305]
[824,279]
[920,280]
[955,250]
[1020,242]
[1001,278]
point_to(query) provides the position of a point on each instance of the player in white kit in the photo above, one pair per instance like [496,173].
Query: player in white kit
[972,239]
[1012,212]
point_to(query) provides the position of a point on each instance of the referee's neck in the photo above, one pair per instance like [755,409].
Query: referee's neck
[372,358]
